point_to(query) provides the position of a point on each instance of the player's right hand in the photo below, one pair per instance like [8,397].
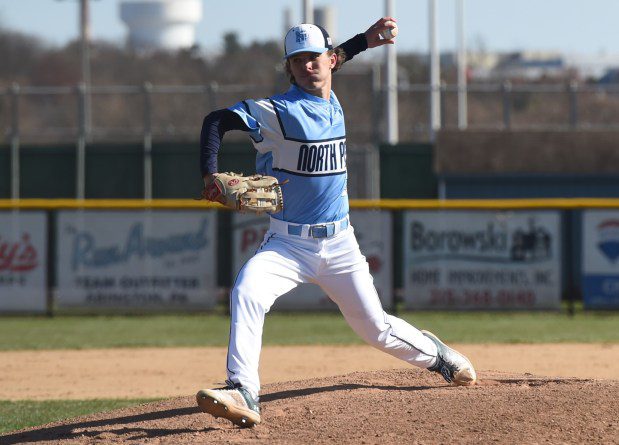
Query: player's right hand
[372,35]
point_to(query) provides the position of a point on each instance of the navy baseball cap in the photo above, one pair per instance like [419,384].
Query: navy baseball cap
[306,38]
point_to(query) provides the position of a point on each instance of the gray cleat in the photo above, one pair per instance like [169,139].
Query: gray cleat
[453,366]
[233,402]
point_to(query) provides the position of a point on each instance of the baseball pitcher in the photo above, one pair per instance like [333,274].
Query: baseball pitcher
[300,137]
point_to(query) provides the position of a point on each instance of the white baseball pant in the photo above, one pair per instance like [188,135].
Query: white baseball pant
[336,264]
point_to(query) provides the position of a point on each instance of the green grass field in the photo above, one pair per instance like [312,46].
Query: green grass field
[26,413]
[84,332]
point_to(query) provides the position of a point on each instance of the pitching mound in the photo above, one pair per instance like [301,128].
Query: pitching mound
[386,407]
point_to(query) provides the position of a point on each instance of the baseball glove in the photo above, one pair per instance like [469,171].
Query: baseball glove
[255,193]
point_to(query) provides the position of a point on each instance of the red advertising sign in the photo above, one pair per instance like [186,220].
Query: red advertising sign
[23,266]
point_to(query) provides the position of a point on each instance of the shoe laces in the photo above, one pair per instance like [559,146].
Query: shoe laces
[443,368]
[252,402]
[231,385]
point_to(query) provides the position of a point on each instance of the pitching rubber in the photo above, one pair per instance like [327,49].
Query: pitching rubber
[211,401]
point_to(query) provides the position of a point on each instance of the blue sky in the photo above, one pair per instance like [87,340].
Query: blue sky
[568,26]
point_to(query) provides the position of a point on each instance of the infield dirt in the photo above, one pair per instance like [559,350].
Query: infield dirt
[173,372]
[372,400]
[375,407]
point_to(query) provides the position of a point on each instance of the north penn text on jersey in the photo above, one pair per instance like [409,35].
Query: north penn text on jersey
[322,158]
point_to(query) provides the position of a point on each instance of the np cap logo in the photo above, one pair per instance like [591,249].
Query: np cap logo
[301,36]
[306,38]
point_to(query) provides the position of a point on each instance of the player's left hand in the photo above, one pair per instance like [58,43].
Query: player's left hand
[256,193]
[372,35]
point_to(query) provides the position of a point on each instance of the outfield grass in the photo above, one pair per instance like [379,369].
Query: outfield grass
[25,413]
[84,332]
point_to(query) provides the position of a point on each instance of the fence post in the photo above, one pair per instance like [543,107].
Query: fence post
[213,87]
[80,157]
[443,89]
[147,141]
[15,176]
[572,91]
[376,104]
[372,169]
[506,88]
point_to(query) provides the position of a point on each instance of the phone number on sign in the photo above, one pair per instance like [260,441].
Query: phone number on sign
[482,297]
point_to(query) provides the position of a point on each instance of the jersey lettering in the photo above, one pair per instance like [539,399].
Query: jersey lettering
[322,157]
[300,150]
[332,157]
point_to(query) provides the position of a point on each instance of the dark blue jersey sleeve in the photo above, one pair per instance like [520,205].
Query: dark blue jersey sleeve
[214,127]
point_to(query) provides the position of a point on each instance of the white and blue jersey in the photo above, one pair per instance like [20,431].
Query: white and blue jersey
[301,140]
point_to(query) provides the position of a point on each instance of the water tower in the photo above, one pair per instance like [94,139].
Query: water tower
[161,24]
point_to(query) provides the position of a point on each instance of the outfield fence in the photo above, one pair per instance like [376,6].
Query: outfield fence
[128,256]
[148,113]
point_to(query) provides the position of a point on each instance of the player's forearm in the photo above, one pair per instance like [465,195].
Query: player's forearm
[214,126]
[354,46]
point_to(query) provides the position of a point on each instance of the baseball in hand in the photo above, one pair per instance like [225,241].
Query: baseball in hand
[390,32]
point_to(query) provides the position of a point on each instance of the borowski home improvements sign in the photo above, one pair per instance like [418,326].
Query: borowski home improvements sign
[482,260]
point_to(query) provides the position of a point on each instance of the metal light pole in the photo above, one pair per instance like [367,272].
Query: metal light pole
[462,66]
[392,83]
[84,94]
[84,105]
[15,145]
[308,11]
[435,71]
[84,25]
[85,57]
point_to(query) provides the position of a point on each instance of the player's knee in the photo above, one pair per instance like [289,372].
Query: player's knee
[249,299]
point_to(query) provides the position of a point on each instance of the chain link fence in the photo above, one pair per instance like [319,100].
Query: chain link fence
[116,113]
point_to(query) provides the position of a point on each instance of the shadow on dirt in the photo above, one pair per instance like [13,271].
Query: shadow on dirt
[343,387]
[79,429]
[68,431]
[541,381]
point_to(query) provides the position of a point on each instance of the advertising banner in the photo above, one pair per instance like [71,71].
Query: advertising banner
[373,230]
[23,262]
[600,259]
[482,260]
[136,260]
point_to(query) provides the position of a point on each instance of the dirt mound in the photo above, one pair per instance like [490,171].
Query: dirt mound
[386,407]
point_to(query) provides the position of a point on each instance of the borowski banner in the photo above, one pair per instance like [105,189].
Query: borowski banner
[23,262]
[373,232]
[136,260]
[482,260]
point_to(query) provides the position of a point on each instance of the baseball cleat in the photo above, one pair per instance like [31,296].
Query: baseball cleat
[453,366]
[233,402]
